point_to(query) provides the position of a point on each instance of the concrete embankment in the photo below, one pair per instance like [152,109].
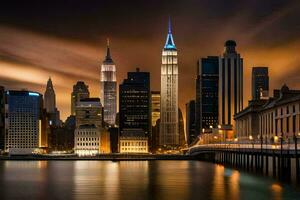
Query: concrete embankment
[111,157]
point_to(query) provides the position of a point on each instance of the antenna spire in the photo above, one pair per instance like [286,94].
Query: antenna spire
[169,27]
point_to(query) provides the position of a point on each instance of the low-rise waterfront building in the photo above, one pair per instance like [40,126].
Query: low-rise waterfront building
[133,144]
[268,120]
[87,140]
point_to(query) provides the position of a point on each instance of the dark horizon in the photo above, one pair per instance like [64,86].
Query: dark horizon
[67,41]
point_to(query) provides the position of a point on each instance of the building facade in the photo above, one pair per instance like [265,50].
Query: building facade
[108,90]
[87,140]
[182,138]
[260,83]
[89,122]
[134,144]
[155,106]
[135,103]
[23,122]
[169,133]
[207,94]
[89,111]
[135,111]
[190,121]
[80,91]
[277,117]
[2,118]
[230,84]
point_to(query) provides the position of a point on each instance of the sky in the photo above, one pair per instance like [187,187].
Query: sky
[66,40]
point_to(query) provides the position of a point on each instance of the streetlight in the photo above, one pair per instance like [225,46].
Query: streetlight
[251,139]
[275,141]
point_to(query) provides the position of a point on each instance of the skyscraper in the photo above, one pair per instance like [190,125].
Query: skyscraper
[135,112]
[230,84]
[169,135]
[134,102]
[108,88]
[182,139]
[155,102]
[2,118]
[260,83]
[206,107]
[24,125]
[50,104]
[80,91]
[49,98]
[89,111]
[190,122]
[88,130]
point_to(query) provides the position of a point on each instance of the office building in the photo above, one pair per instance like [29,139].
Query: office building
[135,111]
[260,83]
[230,85]
[108,88]
[89,122]
[80,91]
[182,139]
[169,133]
[24,122]
[155,106]
[2,118]
[207,87]
[190,122]
[89,111]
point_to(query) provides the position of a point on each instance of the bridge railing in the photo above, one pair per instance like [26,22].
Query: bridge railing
[255,145]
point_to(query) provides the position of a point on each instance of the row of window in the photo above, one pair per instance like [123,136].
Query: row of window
[87,139]
[87,143]
[133,143]
[134,149]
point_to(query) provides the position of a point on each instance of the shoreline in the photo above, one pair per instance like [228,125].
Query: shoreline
[111,157]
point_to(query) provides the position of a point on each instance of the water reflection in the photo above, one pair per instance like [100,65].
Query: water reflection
[163,180]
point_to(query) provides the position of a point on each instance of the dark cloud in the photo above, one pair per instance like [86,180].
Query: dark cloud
[65,39]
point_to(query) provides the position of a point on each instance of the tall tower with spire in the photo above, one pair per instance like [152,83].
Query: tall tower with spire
[169,134]
[50,102]
[50,105]
[108,88]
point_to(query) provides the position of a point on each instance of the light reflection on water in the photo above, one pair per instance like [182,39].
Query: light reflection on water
[163,180]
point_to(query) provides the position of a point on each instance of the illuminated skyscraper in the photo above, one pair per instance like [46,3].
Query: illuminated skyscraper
[207,91]
[169,135]
[230,84]
[108,88]
[24,122]
[135,112]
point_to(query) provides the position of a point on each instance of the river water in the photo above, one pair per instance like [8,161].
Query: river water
[140,180]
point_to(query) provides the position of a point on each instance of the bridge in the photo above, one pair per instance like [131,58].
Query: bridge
[279,159]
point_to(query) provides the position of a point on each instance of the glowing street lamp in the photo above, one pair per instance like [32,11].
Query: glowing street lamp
[251,139]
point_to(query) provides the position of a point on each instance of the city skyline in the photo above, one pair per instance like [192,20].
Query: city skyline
[68,56]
